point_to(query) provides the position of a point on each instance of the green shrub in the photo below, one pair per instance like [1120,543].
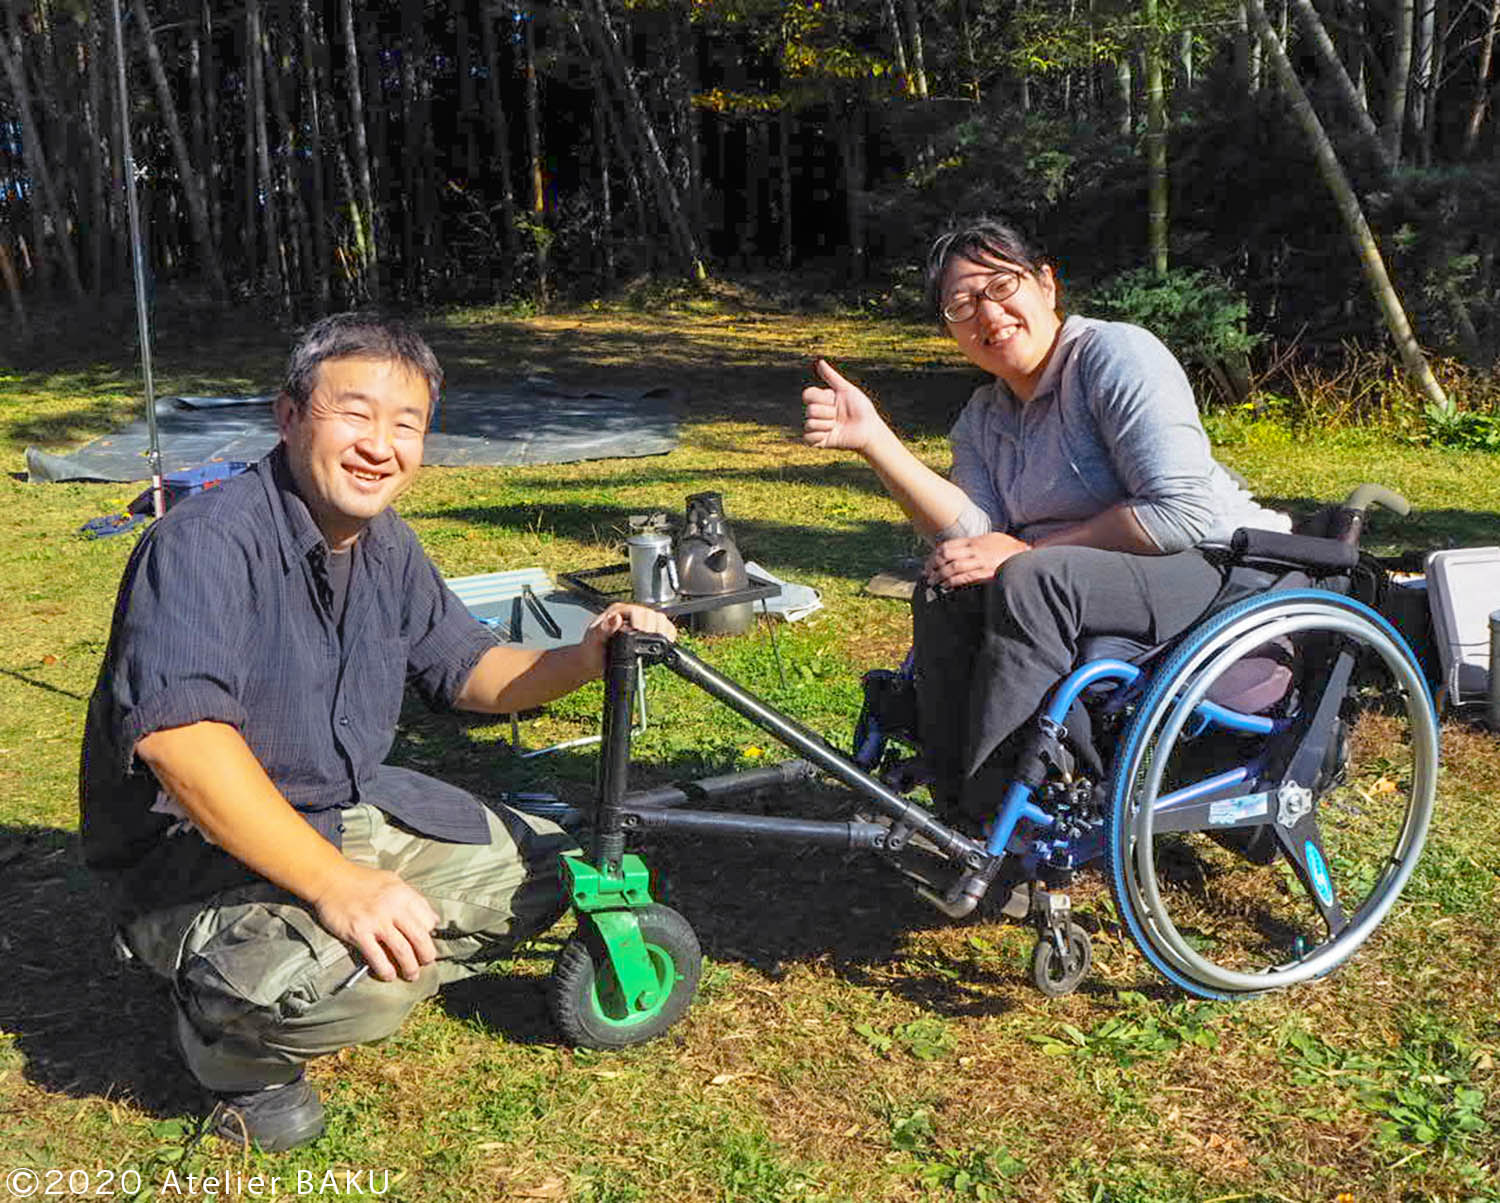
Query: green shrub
[1196,313]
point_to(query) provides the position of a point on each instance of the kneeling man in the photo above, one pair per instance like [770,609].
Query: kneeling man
[234,792]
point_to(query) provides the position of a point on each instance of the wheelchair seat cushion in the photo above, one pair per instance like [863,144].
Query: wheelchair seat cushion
[1253,683]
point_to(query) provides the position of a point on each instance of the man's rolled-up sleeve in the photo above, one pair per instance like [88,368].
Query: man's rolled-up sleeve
[1149,420]
[179,649]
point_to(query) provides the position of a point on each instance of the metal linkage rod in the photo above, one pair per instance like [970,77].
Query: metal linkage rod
[797,737]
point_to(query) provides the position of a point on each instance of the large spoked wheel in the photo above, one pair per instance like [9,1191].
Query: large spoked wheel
[585,997]
[1334,800]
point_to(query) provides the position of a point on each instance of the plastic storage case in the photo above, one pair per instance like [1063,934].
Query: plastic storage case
[1463,590]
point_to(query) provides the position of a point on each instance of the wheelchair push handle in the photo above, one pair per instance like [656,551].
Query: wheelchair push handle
[1346,523]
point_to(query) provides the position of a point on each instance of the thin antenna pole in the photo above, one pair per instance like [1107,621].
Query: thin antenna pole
[133,205]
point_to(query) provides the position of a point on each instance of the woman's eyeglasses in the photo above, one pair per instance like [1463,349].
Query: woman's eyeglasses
[961,306]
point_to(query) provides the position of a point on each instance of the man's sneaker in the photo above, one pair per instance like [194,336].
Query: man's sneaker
[275,1118]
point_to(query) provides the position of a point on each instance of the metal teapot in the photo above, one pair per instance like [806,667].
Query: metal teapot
[709,564]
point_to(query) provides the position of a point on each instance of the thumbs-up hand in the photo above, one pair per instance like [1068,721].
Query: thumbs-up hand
[839,416]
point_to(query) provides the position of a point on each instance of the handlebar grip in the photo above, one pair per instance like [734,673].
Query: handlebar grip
[1363,497]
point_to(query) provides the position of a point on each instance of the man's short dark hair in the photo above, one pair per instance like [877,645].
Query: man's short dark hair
[358,336]
[982,240]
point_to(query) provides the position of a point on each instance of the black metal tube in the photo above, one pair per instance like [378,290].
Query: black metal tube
[614,752]
[772,776]
[806,832]
[690,668]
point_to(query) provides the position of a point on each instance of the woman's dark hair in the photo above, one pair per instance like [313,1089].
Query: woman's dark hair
[982,240]
[358,336]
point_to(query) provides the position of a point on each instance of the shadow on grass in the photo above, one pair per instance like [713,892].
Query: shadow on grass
[86,1023]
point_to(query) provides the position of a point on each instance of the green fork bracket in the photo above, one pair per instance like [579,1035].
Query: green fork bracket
[608,902]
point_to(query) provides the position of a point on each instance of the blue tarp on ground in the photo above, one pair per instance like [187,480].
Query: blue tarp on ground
[534,422]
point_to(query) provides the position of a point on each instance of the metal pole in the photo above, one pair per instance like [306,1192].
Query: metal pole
[153,455]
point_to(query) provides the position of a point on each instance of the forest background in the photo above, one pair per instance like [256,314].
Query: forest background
[298,156]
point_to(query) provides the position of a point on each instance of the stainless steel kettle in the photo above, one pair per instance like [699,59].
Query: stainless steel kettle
[709,563]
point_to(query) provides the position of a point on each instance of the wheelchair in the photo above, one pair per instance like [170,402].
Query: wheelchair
[1266,794]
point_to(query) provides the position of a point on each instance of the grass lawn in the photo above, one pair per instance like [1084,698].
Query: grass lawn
[847,1042]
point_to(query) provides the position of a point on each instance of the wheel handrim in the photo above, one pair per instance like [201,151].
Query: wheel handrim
[1153,907]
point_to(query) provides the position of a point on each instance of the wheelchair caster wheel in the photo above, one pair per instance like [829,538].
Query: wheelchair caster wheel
[1058,971]
[585,998]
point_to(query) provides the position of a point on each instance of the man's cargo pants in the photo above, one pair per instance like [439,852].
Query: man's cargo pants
[256,978]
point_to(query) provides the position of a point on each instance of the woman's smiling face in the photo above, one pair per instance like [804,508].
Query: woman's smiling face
[1010,338]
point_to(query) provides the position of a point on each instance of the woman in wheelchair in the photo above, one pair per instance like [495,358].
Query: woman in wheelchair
[1082,489]
[1271,748]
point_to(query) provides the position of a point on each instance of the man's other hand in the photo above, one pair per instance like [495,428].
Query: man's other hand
[384,919]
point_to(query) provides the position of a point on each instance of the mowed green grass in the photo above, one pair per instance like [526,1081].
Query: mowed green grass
[848,1042]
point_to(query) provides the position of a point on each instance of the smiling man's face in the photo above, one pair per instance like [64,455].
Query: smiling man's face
[357,443]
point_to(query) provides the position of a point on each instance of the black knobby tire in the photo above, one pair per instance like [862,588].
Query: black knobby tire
[1051,973]
[585,1000]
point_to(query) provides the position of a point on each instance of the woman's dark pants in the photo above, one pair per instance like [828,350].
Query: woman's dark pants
[986,656]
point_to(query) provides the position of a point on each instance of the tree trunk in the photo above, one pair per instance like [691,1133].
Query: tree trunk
[466,92]
[500,140]
[966,51]
[1398,80]
[1360,234]
[313,75]
[12,283]
[684,85]
[368,237]
[1354,48]
[608,47]
[1424,33]
[1185,57]
[604,228]
[898,43]
[210,163]
[98,140]
[250,220]
[787,246]
[1442,30]
[852,137]
[12,63]
[918,60]
[187,174]
[275,261]
[540,235]
[283,78]
[1317,33]
[1480,103]
[413,192]
[1124,88]
[1156,142]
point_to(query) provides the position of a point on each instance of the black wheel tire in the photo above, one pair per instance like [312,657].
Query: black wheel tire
[585,1000]
[1053,975]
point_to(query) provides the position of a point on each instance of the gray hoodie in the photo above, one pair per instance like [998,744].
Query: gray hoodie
[1113,420]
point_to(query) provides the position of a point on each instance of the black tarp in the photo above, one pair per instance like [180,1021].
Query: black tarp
[533,422]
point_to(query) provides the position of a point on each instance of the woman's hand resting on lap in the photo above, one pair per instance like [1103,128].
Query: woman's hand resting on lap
[959,562]
[840,416]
